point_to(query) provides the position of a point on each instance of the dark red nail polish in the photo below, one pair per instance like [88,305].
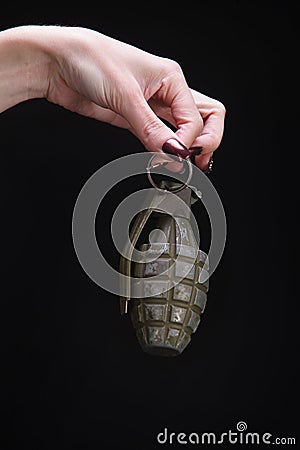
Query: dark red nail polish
[195,151]
[174,147]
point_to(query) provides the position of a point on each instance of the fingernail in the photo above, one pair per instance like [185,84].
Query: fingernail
[194,151]
[209,166]
[174,147]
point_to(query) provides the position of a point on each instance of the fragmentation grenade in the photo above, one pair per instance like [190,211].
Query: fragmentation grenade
[166,310]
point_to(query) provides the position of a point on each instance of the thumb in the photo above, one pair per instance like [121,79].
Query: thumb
[146,125]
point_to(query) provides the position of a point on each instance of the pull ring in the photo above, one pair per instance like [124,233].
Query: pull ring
[182,186]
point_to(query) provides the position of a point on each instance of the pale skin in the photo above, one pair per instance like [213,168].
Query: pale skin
[100,77]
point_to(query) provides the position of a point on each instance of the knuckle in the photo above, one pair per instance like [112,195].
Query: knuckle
[171,66]
[150,130]
[220,108]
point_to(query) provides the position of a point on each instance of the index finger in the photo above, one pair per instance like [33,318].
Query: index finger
[175,94]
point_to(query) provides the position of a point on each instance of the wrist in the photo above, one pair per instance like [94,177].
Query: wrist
[24,66]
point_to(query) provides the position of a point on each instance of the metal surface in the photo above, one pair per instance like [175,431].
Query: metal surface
[166,311]
[170,187]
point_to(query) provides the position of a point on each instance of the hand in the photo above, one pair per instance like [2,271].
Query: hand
[111,81]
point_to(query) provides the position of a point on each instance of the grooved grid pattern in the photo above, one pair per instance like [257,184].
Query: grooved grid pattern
[165,321]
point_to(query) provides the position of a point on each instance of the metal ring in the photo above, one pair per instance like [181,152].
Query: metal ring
[180,188]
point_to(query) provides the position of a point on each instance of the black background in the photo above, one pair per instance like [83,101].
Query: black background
[73,374]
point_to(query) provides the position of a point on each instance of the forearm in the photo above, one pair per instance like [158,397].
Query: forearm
[24,66]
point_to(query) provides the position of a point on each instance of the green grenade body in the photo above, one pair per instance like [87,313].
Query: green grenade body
[167,309]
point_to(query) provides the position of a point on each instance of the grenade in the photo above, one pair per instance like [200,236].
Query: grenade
[166,310]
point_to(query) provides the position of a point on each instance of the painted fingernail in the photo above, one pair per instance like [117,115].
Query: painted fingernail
[209,166]
[194,151]
[174,147]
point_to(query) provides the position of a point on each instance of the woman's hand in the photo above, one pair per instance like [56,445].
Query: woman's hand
[111,81]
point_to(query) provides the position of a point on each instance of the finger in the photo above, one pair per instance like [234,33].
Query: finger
[165,113]
[175,94]
[213,114]
[209,140]
[106,115]
[144,123]
[212,133]
[202,161]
